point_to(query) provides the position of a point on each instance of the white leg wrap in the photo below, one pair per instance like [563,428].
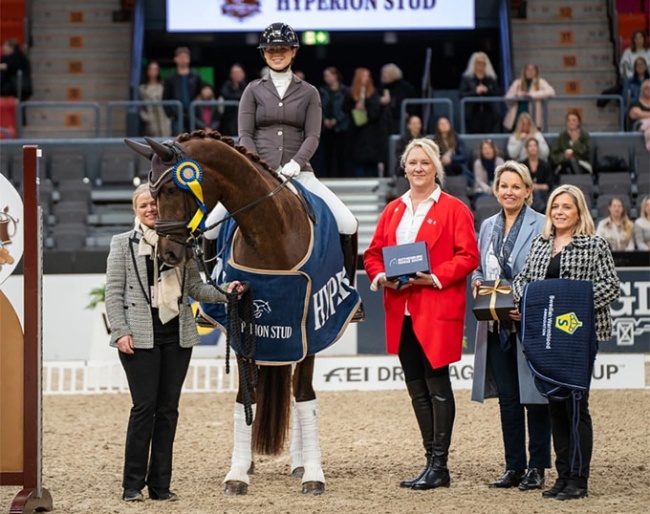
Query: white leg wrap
[296,440]
[311,456]
[242,454]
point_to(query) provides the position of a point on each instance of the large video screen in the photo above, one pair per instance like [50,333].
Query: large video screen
[255,15]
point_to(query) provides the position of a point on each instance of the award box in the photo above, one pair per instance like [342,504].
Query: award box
[493,301]
[406,260]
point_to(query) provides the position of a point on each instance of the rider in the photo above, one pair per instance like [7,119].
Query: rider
[280,120]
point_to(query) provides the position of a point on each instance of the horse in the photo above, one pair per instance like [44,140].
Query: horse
[273,234]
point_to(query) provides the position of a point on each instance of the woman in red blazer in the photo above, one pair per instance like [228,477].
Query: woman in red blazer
[425,318]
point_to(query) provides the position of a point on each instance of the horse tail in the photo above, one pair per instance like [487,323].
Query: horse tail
[271,424]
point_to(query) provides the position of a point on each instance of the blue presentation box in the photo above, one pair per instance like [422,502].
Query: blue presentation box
[406,260]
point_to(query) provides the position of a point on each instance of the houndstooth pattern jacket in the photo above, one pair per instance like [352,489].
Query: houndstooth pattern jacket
[127,306]
[585,258]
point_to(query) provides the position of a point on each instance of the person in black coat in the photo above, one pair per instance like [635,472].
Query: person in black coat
[480,80]
[333,148]
[395,91]
[232,89]
[12,62]
[183,85]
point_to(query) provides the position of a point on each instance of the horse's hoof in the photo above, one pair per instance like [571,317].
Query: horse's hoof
[298,472]
[235,487]
[314,488]
[251,470]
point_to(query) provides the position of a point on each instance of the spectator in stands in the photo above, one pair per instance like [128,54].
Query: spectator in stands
[500,368]
[484,167]
[232,89]
[15,71]
[541,173]
[154,336]
[206,116]
[616,228]
[639,112]
[642,226]
[480,81]
[425,317]
[156,122]
[632,86]
[571,151]
[183,85]
[395,90]
[413,131]
[333,147]
[639,47]
[367,137]
[524,130]
[530,89]
[453,154]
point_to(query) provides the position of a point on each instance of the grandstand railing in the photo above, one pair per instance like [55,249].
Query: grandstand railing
[22,106]
[208,103]
[135,104]
[545,103]
[446,102]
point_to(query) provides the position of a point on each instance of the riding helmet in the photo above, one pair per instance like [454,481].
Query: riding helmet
[278,34]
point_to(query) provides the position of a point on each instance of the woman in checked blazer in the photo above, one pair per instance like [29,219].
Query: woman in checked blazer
[153,328]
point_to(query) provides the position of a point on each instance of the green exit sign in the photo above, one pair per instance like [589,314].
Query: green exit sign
[315,37]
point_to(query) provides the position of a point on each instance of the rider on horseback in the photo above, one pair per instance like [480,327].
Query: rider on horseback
[280,120]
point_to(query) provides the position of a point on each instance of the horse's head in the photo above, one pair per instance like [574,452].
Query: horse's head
[173,180]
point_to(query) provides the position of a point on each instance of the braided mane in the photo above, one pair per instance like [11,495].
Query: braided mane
[213,134]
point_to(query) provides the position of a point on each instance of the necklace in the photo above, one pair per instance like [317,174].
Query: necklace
[558,247]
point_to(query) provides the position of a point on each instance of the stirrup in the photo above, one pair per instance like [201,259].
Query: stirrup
[360,315]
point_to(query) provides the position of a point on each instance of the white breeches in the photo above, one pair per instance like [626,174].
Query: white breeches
[345,220]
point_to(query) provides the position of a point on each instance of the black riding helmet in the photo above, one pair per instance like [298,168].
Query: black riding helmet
[278,34]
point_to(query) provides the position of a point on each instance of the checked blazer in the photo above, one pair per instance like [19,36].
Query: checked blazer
[584,258]
[127,305]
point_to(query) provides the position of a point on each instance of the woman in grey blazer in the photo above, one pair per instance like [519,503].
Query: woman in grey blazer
[153,328]
[500,368]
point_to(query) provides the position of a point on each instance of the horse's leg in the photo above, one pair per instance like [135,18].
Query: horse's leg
[306,416]
[242,455]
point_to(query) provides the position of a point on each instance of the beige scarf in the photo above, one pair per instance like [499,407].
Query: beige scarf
[167,285]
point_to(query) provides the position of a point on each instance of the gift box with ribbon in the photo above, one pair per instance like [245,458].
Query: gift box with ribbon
[493,301]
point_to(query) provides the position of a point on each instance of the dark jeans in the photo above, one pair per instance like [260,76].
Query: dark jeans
[564,442]
[155,379]
[513,413]
[414,362]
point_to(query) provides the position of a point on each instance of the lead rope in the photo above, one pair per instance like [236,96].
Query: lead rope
[240,334]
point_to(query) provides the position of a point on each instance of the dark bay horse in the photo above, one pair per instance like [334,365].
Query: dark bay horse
[274,234]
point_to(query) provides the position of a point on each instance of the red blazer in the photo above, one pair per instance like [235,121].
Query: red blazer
[438,315]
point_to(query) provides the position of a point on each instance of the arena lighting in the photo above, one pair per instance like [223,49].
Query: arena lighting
[315,37]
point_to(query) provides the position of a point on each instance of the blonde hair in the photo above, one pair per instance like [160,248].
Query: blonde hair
[392,72]
[628,226]
[644,202]
[471,64]
[430,148]
[142,188]
[585,226]
[532,127]
[521,170]
[535,82]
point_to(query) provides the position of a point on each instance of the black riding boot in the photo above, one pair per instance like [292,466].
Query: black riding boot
[444,412]
[349,245]
[421,402]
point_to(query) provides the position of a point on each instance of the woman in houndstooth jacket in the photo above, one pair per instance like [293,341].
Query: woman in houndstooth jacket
[568,248]
[153,328]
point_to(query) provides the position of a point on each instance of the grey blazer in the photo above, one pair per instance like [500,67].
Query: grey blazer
[280,129]
[127,306]
[484,385]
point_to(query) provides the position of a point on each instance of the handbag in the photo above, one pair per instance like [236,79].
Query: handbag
[360,117]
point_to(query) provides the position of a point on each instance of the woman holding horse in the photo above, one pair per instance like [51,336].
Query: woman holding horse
[280,120]
[153,328]
[425,317]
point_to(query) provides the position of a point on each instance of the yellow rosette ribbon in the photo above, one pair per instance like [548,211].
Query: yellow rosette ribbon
[187,175]
[494,290]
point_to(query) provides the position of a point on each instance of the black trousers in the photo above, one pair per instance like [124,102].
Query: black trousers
[414,362]
[564,441]
[514,413]
[155,380]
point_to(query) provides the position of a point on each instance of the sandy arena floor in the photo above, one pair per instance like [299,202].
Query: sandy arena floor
[369,442]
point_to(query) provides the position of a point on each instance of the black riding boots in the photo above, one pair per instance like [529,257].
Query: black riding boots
[349,245]
[435,410]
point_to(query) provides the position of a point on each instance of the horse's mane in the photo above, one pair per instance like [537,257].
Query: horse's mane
[213,134]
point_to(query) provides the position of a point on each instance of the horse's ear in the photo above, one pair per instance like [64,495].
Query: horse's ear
[139,148]
[165,153]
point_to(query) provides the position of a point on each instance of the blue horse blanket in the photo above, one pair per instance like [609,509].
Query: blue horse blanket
[559,335]
[298,312]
